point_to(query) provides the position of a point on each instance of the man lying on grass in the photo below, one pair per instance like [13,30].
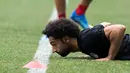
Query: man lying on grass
[103,42]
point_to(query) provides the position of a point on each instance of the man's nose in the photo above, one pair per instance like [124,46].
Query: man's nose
[53,50]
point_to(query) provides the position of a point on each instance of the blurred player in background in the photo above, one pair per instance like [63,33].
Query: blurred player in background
[78,15]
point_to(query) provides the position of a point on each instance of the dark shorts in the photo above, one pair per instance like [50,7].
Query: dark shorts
[124,52]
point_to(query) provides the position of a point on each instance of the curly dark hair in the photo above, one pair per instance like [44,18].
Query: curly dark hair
[60,28]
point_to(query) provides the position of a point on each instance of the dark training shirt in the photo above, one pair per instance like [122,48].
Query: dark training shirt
[93,42]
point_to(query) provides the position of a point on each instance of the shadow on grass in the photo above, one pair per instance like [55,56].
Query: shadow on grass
[70,57]
[88,58]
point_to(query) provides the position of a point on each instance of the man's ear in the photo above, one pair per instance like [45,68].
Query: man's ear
[66,39]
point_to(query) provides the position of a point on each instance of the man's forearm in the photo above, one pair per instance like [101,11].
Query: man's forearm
[113,50]
[115,39]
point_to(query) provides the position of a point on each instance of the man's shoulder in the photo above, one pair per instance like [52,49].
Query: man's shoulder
[87,30]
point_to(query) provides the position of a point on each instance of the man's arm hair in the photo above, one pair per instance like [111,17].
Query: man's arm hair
[115,34]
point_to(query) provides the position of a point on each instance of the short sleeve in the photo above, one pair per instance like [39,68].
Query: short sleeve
[99,26]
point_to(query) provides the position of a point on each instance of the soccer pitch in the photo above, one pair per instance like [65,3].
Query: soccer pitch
[21,24]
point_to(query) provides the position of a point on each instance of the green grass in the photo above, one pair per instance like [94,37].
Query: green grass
[21,23]
[77,63]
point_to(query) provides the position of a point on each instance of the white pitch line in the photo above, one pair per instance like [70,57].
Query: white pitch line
[54,14]
[44,50]
[42,55]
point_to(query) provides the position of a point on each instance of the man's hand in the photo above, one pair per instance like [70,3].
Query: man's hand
[103,59]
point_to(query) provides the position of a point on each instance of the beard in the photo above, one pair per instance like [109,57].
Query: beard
[64,54]
[65,51]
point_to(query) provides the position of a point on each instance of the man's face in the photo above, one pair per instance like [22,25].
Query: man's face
[60,46]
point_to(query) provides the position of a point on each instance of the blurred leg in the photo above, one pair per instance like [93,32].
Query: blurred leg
[61,8]
[82,7]
[78,14]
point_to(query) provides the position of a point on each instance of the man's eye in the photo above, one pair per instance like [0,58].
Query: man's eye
[53,44]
